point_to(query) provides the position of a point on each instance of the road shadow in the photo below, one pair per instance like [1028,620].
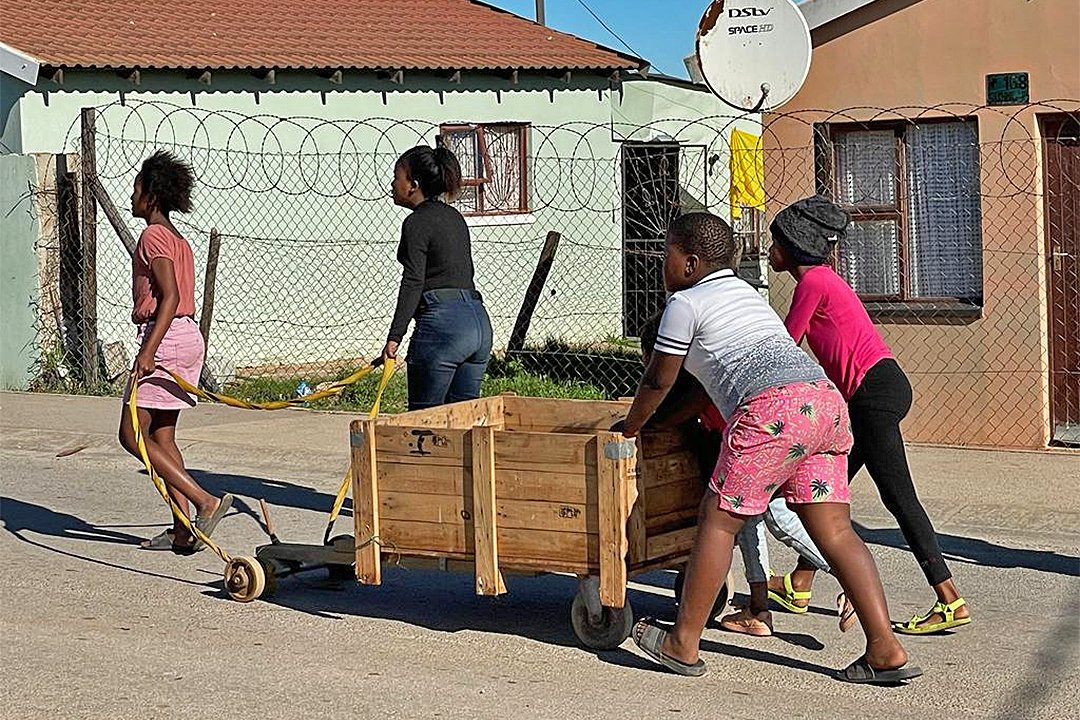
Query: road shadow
[20,518]
[625,658]
[537,607]
[275,492]
[975,551]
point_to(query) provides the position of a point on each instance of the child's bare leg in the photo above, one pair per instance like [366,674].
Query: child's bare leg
[759,598]
[167,460]
[829,524]
[159,436]
[709,563]
[181,535]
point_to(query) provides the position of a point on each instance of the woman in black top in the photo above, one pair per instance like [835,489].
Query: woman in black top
[451,344]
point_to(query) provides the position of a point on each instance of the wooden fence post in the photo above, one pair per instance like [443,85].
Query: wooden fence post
[209,285]
[532,294]
[118,224]
[206,316]
[88,267]
[67,233]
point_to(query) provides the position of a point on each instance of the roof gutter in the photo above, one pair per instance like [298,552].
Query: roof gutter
[19,65]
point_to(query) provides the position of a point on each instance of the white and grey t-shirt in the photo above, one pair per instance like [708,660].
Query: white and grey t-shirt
[733,341]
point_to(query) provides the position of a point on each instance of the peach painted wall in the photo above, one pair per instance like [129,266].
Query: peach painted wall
[984,382]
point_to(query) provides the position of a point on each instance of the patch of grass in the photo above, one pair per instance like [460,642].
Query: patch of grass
[539,386]
[501,377]
[615,368]
[358,397]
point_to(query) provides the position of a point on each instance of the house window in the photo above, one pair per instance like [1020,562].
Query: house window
[913,192]
[493,167]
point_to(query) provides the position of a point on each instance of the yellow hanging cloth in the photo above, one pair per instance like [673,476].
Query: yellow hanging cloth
[747,173]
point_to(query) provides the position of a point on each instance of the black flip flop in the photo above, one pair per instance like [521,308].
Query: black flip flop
[164,541]
[861,672]
[650,638]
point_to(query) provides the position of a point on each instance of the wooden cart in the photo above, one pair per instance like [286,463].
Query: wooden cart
[513,484]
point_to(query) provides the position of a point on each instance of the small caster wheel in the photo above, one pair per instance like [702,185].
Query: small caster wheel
[721,598]
[612,627]
[245,578]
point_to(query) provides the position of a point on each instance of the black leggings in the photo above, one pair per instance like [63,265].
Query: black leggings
[882,400]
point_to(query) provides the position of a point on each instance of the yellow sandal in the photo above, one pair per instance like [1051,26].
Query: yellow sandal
[787,600]
[914,626]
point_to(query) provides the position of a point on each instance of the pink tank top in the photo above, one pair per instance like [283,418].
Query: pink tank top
[828,313]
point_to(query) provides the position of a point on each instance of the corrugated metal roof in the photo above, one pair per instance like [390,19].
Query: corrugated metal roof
[355,34]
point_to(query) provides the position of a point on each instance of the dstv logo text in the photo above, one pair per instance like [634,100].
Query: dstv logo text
[749,12]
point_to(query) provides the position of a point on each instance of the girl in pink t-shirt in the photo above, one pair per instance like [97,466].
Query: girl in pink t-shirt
[829,315]
[163,293]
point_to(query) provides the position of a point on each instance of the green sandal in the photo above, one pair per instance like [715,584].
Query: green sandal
[787,600]
[914,626]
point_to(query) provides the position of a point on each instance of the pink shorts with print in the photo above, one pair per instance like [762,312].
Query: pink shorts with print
[793,439]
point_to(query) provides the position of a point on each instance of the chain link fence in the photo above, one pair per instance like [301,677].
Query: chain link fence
[964,244]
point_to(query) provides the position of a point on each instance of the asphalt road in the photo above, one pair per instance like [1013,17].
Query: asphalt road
[94,628]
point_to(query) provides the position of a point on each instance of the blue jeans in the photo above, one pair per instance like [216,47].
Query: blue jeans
[449,349]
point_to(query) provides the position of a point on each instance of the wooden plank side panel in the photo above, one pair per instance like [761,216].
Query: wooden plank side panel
[433,538]
[654,443]
[485,412]
[365,491]
[542,515]
[672,467]
[544,550]
[660,524]
[637,531]
[399,475]
[489,581]
[422,446]
[464,563]
[522,450]
[675,543]
[518,545]
[680,496]
[537,483]
[422,507]
[523,414]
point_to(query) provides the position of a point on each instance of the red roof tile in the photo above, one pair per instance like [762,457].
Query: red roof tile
[360,34]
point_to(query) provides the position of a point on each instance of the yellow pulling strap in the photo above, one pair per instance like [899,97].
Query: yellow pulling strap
[343,489]
[333,390]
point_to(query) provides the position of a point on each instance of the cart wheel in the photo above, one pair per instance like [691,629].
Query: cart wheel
[721,598]
[614,625]
[245,578]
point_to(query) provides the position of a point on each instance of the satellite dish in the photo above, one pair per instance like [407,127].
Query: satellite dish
[754,54]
